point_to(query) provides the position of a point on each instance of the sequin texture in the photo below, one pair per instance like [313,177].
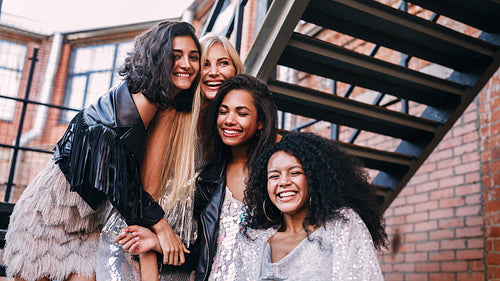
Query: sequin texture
[223,267]
[341,250]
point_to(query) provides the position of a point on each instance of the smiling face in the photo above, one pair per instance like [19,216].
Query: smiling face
[287,184]
[217,68]
[186,59]
[237,120]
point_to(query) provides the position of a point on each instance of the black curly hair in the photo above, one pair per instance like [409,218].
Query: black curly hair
[335,178]
[148,66]
[215,152]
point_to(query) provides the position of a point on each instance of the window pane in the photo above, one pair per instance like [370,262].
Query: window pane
[98,85]
[12,57]
[76,93]
[94,58]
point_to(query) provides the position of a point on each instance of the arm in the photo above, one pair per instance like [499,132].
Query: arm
[355,257]
[149,268]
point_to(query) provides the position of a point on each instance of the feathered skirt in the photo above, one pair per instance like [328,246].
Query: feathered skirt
[52,232]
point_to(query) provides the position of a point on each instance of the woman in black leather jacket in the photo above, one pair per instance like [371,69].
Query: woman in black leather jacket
[53,233]
[242,121]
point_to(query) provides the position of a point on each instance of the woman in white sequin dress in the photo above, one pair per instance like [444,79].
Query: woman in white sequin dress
[311,215]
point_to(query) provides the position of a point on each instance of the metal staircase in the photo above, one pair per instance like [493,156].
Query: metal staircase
[473,61]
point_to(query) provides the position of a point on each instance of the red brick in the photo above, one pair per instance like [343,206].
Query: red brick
[424,226]
[477,265]
[473,199]
[475,243]
[473,221]
[493,259]
[454,266]
[451,202]
[472,231]
[416,277]
[440,174]
[467,168]
[474,276]
[417,198]
[394,277]
[468,189]
[441,234]
[404,267]
[468,210]
[431,205]
[417,217]
[408,209]
[441,213]
[427,246]
[463,149]
[442,193]
[427,267]
[416,237]
[415,257]
[453,244]
[496,244]
[442,256]
[442,277]
[492,194]
[469,254]
[491,206]
[426,186]
[452,162]
[473,177]
[453,222]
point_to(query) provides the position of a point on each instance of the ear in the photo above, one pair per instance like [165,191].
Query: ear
[259,125]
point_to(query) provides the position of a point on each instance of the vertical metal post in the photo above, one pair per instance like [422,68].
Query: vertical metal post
[334,128]
[8,189]
[239,24]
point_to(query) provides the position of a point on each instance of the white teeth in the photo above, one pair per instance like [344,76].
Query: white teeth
[231,132]
[213,84]
[286,194]
[182,74]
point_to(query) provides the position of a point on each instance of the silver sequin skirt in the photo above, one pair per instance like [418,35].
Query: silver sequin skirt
[116,264]
[52,232]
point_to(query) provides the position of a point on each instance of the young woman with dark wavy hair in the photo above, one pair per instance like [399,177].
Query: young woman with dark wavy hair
[140,134]
[311,215]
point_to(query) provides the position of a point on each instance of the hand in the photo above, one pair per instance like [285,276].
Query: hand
[138,240]
[171,244]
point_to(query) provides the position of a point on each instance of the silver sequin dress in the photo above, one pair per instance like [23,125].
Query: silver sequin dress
[223,267]
[342,250]
[116,264]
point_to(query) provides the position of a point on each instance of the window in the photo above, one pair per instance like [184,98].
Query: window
[12,57]
[92,72]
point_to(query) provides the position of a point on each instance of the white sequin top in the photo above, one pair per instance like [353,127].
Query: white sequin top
[223,267]
[342,250]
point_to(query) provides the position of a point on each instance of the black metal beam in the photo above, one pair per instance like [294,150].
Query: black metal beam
[330,61]
[383,25]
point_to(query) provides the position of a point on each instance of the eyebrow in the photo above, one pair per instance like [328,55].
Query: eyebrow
[181,51]
[237,108]
[291,168]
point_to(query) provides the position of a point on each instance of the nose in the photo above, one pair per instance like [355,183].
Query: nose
[213,71]
[230,119]
[184,62]
[284,180]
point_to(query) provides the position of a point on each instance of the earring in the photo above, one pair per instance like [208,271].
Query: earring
[265,213]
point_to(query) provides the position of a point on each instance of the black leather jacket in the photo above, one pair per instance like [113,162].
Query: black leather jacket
[211,190]
[101,154]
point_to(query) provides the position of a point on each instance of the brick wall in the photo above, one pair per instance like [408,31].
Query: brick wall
[490,157]
[447,218]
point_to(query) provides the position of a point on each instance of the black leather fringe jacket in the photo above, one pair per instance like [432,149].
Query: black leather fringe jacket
[101,154]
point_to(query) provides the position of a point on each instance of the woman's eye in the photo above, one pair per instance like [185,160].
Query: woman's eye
[224,63]
[194,58]
[272,177]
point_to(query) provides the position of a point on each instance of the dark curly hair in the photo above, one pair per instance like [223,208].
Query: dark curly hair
[215,152]
[149,65]
[335,178]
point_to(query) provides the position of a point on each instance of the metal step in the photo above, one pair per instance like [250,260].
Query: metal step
[481,14]
[377,23]
[330,61]
[315,104]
